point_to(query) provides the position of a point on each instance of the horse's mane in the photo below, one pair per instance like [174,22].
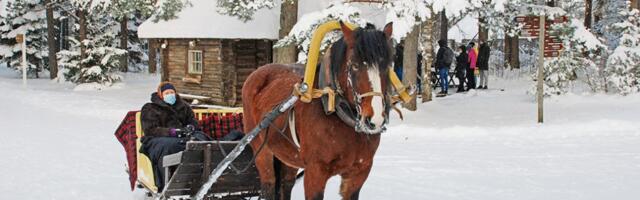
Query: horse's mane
[371,46]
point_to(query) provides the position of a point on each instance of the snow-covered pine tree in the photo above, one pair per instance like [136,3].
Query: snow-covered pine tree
[560,72]
[623,68]
[302,32]
[130,14]
[6,44]
[99,61]
[138,56]
[168,9]
[25,16]
[244,9]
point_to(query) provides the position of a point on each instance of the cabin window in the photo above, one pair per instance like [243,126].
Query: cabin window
[195,62]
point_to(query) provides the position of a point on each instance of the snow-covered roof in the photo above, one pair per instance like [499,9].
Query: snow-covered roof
[201,20]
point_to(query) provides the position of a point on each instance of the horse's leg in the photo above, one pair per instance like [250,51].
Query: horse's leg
[264,164]
[285,180]
[315,180]
[352,183]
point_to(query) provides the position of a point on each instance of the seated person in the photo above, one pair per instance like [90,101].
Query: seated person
[164,121]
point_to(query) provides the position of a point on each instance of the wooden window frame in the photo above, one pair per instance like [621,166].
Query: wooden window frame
[191,62]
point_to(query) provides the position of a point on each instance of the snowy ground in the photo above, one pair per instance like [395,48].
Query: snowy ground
[58,143]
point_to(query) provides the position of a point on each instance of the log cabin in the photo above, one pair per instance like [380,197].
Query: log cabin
[208,56]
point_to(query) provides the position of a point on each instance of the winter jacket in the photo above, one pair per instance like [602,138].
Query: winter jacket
[158,117]
[473,58]
[462,62]
[444,54]
[483,57]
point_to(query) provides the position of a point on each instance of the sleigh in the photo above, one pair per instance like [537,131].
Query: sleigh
[188,169]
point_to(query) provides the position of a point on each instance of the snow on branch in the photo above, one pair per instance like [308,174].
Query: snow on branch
[302,32]
[243,9]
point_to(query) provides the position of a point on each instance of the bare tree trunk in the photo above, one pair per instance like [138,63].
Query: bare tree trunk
[551,3]
[507,50]
[152,56]
[512,51]
[587,13]
[82,34]
[444,26]
[515,52]
[483,32]
[51,41]
[124,40]
[635,4]
[288,18]
[428,36]
[410,63]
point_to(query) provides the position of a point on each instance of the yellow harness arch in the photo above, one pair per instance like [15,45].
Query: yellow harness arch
[312,63]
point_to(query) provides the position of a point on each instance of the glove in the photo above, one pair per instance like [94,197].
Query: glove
[190,128]
[174,132]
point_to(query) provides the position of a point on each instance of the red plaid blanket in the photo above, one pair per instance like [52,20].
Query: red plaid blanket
[126,134]
[216,125]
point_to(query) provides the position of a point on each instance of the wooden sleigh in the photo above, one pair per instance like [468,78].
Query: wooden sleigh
[187,170]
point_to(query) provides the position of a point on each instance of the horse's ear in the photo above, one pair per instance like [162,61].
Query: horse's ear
[388,30]
[348,34]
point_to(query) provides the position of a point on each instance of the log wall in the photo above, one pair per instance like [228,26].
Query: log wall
[226,65]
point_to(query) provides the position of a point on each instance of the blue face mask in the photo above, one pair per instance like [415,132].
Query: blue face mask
[170,99]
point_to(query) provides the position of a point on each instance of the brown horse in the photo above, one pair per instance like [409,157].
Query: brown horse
[328,146]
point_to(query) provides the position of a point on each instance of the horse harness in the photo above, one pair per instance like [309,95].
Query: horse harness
[334,100]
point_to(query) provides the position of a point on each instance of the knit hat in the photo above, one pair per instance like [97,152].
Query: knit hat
[165,86]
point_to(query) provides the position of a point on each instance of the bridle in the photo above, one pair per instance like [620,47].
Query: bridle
[358,98]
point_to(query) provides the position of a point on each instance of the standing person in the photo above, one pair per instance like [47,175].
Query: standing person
[483,64]
[473,58]
[462,65]
[444,58]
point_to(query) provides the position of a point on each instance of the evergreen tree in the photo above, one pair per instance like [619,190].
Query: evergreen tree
[244,9]
[93,58]
[623,70]
[130,14]
[6,44]
[168,9]
[28,17]
[137,55]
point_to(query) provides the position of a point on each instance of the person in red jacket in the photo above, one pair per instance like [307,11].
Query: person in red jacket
[473,59]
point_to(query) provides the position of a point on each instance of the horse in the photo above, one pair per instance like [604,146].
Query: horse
[328,146]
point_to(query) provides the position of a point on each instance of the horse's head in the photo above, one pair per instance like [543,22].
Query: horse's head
[364,59]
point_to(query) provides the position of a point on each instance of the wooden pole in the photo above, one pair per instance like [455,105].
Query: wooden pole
[24,58]
[124,41]
[152,56]
[540,89]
